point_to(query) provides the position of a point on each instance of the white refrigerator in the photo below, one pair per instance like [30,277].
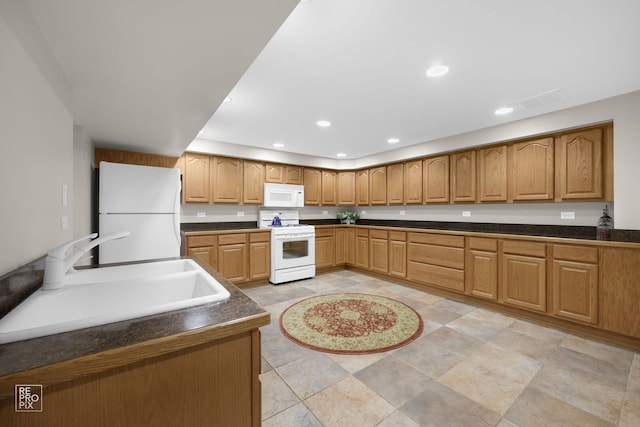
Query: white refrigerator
[145,201]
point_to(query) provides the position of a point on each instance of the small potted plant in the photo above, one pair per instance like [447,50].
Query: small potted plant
[348,217]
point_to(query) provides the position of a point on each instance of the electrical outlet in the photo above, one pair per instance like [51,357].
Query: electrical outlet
[363,213]
[402,212]
[64,222]
[466,213]
[325,212]
[240,213]
[567,215]
[201,214]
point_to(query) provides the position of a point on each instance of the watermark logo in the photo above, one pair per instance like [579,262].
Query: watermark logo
[28,397]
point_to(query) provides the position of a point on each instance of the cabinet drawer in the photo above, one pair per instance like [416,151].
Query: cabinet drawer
[437,255]
[231,239]
[524,248]
[378,234]
[362,232]
[481,244]
[324,232]
[576,253]
[259,237]
[440,276]
[437,239]
[198,241]
[398,235]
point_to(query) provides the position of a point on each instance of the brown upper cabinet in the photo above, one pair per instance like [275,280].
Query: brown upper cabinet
[435,171]
[329,178]
[253,182]
[531,170]
[378,185]
[492,174]
[463,176]
[395,183]
[226,177]
[362,187]
[196,178]
[312,186]
[413,182]
[346,188]
[283,174]
[580,170]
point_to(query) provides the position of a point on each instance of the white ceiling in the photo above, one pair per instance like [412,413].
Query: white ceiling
[146,75]
[361,65]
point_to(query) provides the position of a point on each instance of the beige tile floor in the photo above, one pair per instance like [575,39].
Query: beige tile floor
[470,367]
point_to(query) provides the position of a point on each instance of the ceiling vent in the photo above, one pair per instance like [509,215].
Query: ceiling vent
[543,99]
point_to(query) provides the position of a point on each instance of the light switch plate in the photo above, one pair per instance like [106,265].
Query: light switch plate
[240,213]
[567,215]
[201,214]
[466,213]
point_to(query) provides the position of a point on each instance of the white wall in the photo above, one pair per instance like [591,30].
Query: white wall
[36,152]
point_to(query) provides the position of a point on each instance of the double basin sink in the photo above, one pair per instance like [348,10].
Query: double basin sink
[97,296]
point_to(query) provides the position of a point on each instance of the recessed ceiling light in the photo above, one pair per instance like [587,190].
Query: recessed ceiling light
[323,123]
[503,110]
[437,70]
[278,144]
[393,140]
[341,155]
[227,99]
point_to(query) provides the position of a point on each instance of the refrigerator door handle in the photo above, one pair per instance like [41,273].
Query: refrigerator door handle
[176,215]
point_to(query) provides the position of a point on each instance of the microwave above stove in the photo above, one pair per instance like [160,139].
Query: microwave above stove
[283,195]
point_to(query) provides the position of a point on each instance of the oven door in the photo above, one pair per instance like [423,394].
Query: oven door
[292,251]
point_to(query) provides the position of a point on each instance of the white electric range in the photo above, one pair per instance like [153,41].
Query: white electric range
[293,245]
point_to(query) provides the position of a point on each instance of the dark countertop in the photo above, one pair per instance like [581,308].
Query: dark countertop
[37,352]
[561,231]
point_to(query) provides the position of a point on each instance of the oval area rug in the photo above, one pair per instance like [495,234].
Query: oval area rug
[351,323]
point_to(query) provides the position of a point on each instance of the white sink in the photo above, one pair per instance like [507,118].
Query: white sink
[104,295]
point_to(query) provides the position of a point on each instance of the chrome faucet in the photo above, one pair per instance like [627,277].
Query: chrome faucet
[58,263]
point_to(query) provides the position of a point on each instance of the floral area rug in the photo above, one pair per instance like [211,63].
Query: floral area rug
[351,323]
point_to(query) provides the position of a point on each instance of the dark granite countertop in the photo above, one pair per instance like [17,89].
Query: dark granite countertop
[558,231]
[37,352]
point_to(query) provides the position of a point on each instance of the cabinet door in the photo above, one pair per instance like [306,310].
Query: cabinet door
[580,170]
[463,177]
[259,260]
[524,282]
[325,247]
[232,261]
[329,187]
[293,175]
[575,291]
[492,171]
[619,290]
[312,186]
[205,254]
[482,274]
[274,172]
[226,177]
[531,170]
[341,246]
[378,251]
[350,245]
[347,188]
[395,183]
[398,258]
[253,183]
[196,178]
[413,182]
[362,187]
[378,185]
[362,249]
[436,179]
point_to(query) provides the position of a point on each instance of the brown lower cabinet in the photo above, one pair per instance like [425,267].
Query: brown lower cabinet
[241,257]
[524,275]
[481,269]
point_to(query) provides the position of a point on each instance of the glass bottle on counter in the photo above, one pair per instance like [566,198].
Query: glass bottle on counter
[605,225]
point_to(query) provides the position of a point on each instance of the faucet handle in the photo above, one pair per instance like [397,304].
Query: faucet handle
[60,251]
